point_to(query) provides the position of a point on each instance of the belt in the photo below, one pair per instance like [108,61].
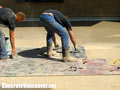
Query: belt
[48,14]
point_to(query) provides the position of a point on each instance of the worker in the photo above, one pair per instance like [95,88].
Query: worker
[55,21]
[8,18]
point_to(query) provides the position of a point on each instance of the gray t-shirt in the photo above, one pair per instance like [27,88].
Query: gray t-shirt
[7,17]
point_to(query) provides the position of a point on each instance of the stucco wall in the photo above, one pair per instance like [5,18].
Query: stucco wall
[73,8]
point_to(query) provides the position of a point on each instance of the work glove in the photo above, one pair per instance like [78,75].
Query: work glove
[76,48]
[56,46]
[13,53]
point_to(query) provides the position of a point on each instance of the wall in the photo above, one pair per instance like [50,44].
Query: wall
[72,8]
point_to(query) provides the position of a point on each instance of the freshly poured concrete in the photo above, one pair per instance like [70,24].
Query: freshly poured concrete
[101,40]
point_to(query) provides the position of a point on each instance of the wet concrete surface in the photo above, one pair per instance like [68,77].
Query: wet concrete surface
[99,43]
[34,62]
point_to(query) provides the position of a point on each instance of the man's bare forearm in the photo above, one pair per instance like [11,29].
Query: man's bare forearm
[54,38]
[72,37]
[12,41]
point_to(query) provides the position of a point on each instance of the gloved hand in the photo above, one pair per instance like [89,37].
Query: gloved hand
[76,48]
[56,46]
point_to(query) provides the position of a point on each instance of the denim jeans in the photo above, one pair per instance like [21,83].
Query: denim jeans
[3,53]
[51,25]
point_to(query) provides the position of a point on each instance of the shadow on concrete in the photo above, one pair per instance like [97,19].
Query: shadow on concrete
[34,53]
[37,53]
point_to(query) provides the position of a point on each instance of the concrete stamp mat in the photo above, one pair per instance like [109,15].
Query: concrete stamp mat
[33,62]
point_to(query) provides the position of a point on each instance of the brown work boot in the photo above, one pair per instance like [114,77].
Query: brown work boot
[66,56]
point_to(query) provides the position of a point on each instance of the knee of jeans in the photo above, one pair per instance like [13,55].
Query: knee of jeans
[65,35]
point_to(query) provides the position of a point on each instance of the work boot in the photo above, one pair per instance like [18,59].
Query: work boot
[66,56]
[50,51]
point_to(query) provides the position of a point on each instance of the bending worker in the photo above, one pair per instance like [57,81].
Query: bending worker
[8,18]
[55,21]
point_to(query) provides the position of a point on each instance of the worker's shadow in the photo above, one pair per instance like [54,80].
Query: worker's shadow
[37,53]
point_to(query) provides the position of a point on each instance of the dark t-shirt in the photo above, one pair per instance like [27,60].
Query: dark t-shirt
[7,17]
[60,18]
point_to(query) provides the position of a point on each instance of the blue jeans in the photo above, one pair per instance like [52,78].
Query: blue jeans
[3,53]
[51,25]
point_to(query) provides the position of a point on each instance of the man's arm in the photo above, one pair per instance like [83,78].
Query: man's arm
[72,37]
[54,40]
[12,41]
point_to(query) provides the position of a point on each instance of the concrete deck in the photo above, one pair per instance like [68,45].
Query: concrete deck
[100,41]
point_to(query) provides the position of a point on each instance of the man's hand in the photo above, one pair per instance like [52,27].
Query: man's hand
[72,37]
[57,46]
[13,52]
[76,48]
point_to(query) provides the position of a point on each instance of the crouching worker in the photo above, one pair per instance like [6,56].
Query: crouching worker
[55,21]
[8,18]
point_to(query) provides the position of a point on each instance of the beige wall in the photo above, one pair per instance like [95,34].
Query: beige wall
[74,8]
